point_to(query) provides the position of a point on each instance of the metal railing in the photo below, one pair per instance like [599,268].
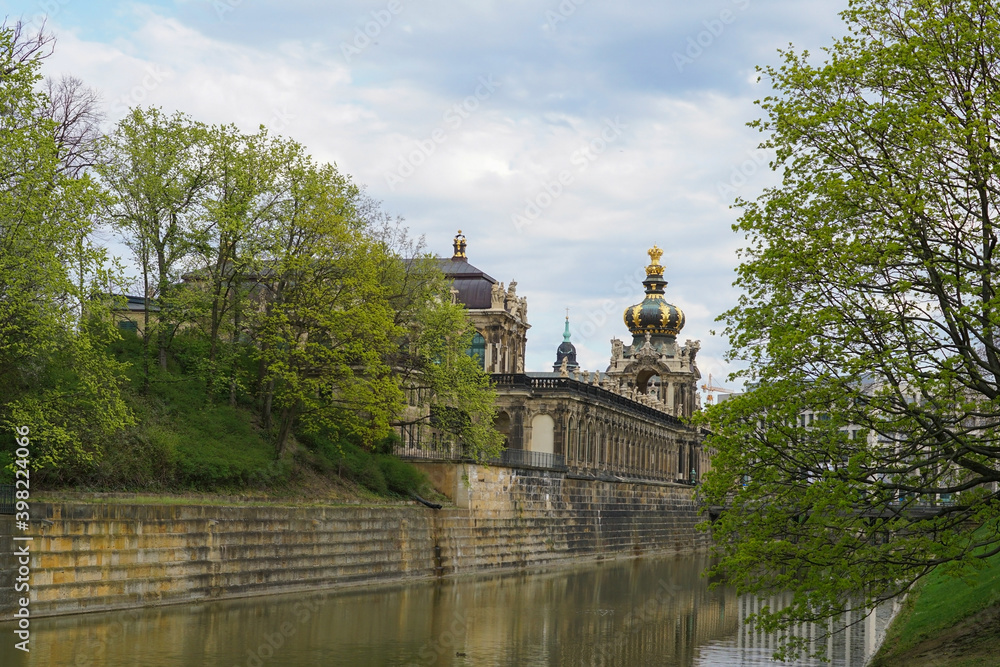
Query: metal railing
[453,453]
[523,458]
[7,499]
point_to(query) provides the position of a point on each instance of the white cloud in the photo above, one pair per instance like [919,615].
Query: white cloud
[665,173]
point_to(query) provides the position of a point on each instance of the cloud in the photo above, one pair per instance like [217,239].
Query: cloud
[586,127]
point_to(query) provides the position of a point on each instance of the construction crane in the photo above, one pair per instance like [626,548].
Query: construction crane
[711,386]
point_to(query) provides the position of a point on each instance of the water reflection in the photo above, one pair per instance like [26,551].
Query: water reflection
[642,612]
[847,641]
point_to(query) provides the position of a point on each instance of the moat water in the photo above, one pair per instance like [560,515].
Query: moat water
[649,611]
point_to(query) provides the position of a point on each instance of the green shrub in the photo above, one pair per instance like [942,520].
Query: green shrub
[401,477]
[6,468]
[217,447]
[388,444]
[364,469]
[377,471]
[138,459]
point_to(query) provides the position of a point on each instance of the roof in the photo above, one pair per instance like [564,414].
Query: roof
[136,304]
[475,286]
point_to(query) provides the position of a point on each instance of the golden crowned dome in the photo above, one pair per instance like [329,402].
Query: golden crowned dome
[654,315]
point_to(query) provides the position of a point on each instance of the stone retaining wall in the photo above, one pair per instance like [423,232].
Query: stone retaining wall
[89,557]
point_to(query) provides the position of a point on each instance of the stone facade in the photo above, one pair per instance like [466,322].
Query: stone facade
[668,374]
[598,431]
[624,423]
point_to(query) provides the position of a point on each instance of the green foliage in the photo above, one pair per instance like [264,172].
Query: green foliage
[402,478]
[870,297]
[432,361]
[71,408]
[184,441]
[328,329]
[940,604]
[58,381]
[217,448]
[378,471]
[269,280]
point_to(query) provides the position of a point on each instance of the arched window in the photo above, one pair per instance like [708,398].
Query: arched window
[542,434]
[502,425]
[478,349]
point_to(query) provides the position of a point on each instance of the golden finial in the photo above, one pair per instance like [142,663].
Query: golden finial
[654,268]
[459,245]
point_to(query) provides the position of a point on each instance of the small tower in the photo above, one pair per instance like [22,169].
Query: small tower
[653,364]
[498,314]
[459,246]
[566,350]
[654,319]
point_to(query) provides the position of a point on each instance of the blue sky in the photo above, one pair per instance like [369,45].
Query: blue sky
[564,138]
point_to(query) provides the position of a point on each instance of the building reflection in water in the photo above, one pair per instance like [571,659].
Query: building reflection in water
[844,642]
[640,612]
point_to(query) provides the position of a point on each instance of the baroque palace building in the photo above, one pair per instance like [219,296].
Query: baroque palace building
[627,422]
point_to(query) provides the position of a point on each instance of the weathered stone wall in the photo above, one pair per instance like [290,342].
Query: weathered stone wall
[8,567]
[527,518]
[89,557]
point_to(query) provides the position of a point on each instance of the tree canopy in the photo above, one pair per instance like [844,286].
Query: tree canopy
[267,279]
[866,451]
[57,376]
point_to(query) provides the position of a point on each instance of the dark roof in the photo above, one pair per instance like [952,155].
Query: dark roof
[137,304]
[475,287]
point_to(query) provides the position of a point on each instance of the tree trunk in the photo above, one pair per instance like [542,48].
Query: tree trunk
[287,418]
[266,403]
[235,356]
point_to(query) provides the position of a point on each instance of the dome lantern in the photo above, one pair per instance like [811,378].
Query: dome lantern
[654,316]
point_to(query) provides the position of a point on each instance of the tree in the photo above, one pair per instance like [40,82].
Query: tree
[57,378]
[242,202]
[446,387]
[870,277]
[75,110]
[326,326]
[156,168]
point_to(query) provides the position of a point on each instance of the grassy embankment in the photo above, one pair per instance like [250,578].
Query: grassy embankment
[948,622]
[192,445]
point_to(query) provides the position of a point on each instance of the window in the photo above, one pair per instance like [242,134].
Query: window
[478,349]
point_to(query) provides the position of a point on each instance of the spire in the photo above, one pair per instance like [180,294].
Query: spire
[459,245]
[566,353]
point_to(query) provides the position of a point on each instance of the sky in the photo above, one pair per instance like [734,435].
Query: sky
[563,137]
